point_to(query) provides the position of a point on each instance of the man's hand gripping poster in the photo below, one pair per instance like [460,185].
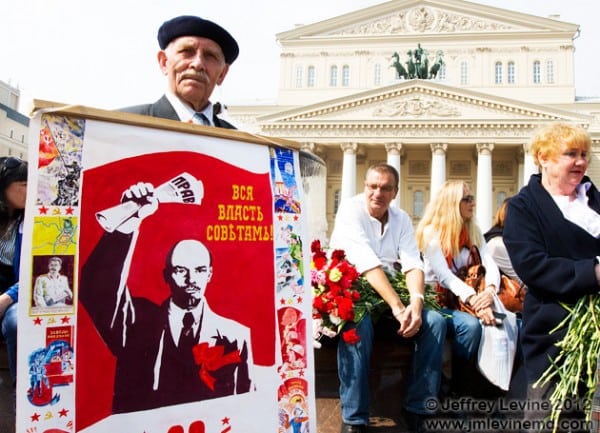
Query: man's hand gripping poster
[185,298]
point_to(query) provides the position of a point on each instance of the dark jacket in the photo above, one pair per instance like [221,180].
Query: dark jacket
[139,344]
[163,109]
[555,259]
[9,274]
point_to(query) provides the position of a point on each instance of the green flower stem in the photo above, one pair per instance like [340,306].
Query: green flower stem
[372,303]
[575,366]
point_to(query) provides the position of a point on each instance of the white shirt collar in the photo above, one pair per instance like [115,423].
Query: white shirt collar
[185,112]
[176,318]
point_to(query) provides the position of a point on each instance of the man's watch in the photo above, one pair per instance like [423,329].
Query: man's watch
[418,296]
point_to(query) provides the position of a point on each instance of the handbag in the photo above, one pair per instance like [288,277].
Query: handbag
[497,348]
[473,274]
[511,293]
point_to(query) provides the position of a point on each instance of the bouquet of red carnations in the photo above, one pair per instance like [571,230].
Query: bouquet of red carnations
[341,295]
[334,294]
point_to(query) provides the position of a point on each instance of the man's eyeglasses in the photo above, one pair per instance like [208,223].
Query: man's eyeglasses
[468,199]
[383,188]
[10,163]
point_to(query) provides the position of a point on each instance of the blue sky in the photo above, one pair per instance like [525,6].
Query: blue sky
[103,53]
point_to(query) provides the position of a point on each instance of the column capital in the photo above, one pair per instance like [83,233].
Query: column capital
[439,148]
[484,148]
[312,147]
[350,148]
[394,149]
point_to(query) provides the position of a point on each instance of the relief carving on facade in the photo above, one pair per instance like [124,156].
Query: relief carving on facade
[416,107]
[424,19]
[391,131]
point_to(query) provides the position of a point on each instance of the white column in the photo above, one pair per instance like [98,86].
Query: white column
[394,156]
[529,166]
[484,186]
[438,166]
[520,168]
[349,170]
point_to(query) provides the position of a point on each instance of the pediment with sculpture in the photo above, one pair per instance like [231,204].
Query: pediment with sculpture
[417,100]
[426,19]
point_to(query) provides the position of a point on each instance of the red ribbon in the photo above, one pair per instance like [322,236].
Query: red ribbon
[210,359]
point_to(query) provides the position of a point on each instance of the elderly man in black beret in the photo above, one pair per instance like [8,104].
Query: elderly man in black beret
[195,55]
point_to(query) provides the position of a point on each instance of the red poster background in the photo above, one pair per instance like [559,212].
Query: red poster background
[242,286]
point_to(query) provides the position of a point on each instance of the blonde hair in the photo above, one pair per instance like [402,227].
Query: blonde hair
[549,140]
[443,215]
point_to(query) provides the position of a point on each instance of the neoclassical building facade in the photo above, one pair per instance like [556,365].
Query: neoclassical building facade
[13,125]
[504,74]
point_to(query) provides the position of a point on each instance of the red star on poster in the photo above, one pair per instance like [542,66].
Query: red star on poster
[295,217]
[43,210]
[35,417]
[225,420]
[299,299]
[282,301]
[63,412]
[69,210]
[65,319]
[280,217]
[37,321]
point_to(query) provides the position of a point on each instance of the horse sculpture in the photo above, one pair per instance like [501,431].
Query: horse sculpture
[423,68]
[400,70]
[417,65]
[435,68]
[411,65]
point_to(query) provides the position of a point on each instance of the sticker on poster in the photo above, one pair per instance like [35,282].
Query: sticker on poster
[59,160]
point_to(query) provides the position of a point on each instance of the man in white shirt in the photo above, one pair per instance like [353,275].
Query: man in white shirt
[375,236]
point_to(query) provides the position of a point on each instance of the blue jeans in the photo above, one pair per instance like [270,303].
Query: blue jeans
[424,374]
[9,331]
[465,331]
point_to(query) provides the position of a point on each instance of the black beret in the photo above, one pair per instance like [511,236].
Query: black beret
[188,25]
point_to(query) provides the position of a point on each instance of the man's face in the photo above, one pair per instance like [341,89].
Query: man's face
[188,273]
[54,266]
[380,190]
[193,66]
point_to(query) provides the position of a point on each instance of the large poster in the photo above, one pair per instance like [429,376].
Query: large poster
[164,282]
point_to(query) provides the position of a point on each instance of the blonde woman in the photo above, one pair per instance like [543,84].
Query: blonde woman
[444,235]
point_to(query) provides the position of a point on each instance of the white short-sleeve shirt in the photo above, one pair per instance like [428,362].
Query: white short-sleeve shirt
[366,245]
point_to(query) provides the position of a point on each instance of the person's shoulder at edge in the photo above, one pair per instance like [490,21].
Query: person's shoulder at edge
[399,212]
[136,109]
[354,202]
[149,109]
